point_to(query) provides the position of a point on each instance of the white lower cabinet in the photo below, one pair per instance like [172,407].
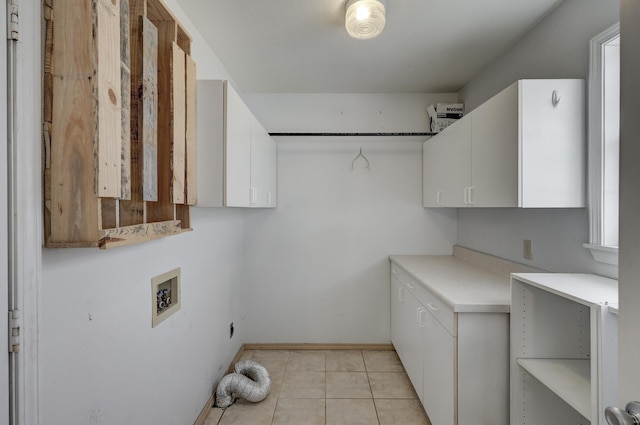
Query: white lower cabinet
[408,333]
[438,386]
[458,362]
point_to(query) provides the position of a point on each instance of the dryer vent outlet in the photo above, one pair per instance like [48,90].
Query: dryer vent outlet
[231,330]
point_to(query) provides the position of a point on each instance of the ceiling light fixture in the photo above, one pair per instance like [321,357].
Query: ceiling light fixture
[364,19]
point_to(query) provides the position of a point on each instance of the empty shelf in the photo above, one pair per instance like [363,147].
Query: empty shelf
[570,379]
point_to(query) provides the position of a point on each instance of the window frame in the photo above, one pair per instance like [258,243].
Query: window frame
[600,251]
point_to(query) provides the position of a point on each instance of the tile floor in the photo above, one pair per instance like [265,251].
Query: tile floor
[341,387]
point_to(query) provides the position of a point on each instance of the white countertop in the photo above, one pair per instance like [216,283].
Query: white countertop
[582,288]
[463,286]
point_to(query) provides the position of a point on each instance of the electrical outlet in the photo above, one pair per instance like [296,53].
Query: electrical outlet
[231,330]
[528,255]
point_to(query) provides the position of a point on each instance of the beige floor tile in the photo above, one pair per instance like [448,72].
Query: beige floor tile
[214,416]
[290,411]
[246,354]
[348,385]
[382,361]
[246,413]
[401,411]
[303,385]
[345,361]
[351,412]
[391,385]
[276,383]
[309,361]
[272,360]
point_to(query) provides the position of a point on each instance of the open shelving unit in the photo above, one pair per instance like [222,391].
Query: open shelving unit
[563,348]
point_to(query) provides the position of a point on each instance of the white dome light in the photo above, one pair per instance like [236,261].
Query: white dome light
[365,19]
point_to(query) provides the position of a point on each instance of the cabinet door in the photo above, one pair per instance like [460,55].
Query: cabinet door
[494,152]
[552,143]
[438,378]
[406,334]
[398,333]
[263,166]
[447,166]
[210,134]
[237,151]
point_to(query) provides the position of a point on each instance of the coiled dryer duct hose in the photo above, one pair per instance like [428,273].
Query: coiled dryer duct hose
[250,381]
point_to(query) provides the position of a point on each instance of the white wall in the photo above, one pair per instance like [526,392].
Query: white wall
[100,361]
[318,264]
[557,48]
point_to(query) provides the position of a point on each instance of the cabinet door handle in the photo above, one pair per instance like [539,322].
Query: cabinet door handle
[466,196]
[471,192]
[555,98]
[420,317]
[438,198]
[401,294]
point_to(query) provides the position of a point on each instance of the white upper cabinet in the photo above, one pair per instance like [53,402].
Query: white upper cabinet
[236,155]
[263,167]
[526,147]
[237,150]
[447,166]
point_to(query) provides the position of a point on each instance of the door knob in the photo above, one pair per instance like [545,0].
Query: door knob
[617,416]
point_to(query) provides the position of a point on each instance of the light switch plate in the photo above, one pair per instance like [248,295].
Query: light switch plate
[528,255]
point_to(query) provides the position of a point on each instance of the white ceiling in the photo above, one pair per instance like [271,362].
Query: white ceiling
[301,46]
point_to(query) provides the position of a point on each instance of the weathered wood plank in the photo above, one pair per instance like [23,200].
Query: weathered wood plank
[110,238]
[183,213]
[191,181]
[132,210]
[184,40]
[178,145]
[73,210]
[46,136]
[48,63]
[163,209]
[125,96]
[148,110]
[108,125]
[157,11]
[109,213]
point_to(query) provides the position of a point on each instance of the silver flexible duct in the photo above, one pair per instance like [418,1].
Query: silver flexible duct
[250,381]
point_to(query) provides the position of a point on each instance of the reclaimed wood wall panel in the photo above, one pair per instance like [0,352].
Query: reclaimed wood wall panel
[110,118]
